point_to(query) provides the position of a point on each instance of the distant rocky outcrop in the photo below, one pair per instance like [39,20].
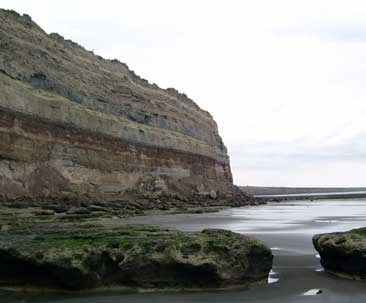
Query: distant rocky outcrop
[263,190]
[76,128]
[132,257]
[343,253]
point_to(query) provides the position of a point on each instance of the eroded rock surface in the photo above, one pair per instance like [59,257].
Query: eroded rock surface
[147,257]
[76,128]
[343,253]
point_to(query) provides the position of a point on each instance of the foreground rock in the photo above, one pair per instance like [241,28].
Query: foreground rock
[343,253]
[140,257]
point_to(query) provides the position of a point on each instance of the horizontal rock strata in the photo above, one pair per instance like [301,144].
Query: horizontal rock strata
[343,253]
[76,127]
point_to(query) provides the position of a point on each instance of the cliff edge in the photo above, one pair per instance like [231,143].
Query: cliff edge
[76,128]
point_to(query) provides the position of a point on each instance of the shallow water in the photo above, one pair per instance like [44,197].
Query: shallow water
[348,193]
[286,227]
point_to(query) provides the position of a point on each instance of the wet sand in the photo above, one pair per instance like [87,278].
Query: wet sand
[286,227]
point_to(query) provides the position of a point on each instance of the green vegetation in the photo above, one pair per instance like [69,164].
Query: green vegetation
[343,253]
[89,255]
[359,231]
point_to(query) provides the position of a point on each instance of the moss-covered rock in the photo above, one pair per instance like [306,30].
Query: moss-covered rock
[133,256]
[343,253]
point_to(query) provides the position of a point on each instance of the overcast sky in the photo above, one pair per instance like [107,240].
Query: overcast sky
[284,79]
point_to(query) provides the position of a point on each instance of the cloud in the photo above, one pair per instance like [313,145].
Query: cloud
[286,163]
[355,33]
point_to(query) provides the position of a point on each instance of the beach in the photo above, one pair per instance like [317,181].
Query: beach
[287,227]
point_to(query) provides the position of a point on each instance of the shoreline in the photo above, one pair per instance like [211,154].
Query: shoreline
[299,197]
[345,276]
[287,227]
[115,289]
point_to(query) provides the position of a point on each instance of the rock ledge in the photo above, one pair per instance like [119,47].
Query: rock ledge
[138,257]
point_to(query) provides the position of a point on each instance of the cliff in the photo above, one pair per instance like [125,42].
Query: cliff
[76,128]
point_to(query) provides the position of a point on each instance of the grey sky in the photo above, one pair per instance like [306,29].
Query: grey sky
[284,79]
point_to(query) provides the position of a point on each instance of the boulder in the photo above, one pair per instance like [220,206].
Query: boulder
[141,257]
[343,253]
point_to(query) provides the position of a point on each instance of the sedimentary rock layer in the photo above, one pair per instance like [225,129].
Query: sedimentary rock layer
[74,126]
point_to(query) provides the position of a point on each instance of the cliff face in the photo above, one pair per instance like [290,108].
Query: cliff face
[77,127]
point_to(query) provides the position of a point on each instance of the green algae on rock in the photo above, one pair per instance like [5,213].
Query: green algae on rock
[343,253]
[138,257]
